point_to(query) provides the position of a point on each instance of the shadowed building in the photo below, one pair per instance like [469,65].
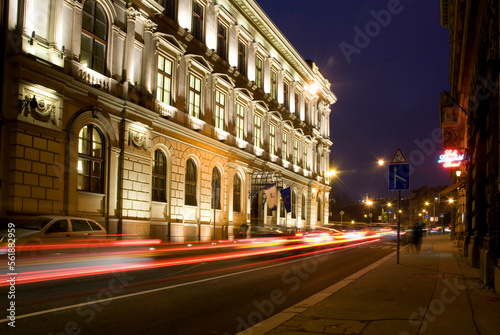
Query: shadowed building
[470,125]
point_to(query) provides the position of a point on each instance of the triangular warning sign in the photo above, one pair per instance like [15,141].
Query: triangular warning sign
[399,157]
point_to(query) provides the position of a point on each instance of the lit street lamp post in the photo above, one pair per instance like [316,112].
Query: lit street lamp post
[369,203]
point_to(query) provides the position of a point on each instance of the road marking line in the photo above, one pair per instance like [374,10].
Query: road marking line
[58,309]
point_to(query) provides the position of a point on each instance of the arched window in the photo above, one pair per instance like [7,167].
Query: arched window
[159,183]
[320,209]
[216,188]
[94,37]
[90,160]
[237,193]
[294,205]
[303,206]
[191,175]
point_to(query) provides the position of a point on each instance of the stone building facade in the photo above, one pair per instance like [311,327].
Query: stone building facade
[470,123]
[152,116]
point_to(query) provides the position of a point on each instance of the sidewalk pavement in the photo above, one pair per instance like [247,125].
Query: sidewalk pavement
[431,292]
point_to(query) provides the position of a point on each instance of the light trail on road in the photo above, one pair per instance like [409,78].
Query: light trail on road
[74,268]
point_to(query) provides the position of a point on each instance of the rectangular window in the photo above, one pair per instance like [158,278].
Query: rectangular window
[304,157]
[272,139]
[295,151]
[303,216]
[194,96]
[242,58]
[258,72]
[240,121]
[164,86]
[286,96]
[222,41]
[257,130]
[237,194]
[297,106]
[284,147]
[220,109]
[197,21]
[274,84]
[307,117]
[169,6]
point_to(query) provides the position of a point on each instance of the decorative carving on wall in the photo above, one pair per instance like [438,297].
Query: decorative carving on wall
[38,109]
[138,139]
[150,26]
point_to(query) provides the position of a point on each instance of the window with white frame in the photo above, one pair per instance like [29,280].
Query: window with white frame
[272,139]
[194,96]
[242,58]
[237,193]
[169,7]
[307,116]
[94,37]
[216,188]
[259,68]
[320,209]
[164,84]
[220,109]
[190,183]
[297,104]
[240,121]
[286,95]
[257,131]
[304,210]
[90,160]
[295,151]
[284,146]
[222,41]
[304,156]
[159,177]
[318,121]
[197,21]
[274,84]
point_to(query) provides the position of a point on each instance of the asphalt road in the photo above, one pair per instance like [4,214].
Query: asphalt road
[222,297]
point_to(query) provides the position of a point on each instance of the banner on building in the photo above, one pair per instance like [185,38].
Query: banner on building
[287,199]
[271,197]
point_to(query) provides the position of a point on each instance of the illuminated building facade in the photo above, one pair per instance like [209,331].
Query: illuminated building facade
[470,124]
[152,116]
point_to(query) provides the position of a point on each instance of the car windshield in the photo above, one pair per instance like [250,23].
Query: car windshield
[36,223]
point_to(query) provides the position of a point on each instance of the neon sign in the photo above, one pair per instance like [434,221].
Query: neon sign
[451,158]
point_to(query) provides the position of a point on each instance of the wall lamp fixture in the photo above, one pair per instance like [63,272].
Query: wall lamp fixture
[31,102]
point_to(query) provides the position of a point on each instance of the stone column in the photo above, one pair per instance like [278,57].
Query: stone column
[128,61]
[148,60]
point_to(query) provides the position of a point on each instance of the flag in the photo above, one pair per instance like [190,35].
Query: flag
[271,197]
[286,196]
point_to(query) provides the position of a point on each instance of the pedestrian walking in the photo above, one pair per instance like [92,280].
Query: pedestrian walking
[417,236]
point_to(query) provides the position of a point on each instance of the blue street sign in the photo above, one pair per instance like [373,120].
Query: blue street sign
[426,216]
[441,215]
[399,176]
[389,211]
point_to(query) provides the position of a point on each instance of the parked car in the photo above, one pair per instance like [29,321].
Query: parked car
[268,231]
[31,235]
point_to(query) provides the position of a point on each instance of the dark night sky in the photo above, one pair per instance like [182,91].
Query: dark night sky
[388,91]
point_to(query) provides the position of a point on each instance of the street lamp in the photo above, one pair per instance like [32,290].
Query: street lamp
[388,218]
[369,203]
